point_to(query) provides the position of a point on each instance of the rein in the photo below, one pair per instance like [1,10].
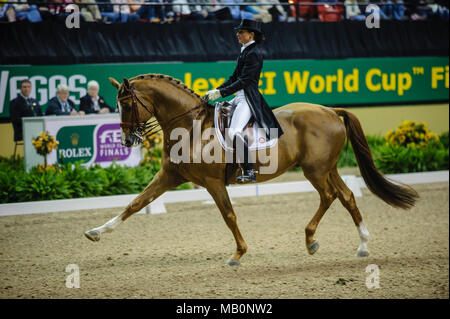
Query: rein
[143,128]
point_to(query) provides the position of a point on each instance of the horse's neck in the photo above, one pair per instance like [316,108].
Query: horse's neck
[172,103]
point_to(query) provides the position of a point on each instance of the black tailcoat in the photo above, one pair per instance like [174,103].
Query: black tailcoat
[246,76]
[18,108]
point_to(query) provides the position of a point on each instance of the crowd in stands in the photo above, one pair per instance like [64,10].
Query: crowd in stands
[167,11]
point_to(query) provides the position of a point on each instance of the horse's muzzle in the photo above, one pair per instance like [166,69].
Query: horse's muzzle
[130,141]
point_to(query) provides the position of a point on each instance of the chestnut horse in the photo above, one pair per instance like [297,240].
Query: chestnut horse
[314,138]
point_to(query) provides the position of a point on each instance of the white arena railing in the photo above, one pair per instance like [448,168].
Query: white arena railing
[158,206]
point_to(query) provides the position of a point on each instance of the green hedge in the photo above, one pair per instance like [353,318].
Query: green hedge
[398,159]
[71,181]
[76,181]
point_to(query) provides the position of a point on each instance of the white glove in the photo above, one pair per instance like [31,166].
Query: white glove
[213,94]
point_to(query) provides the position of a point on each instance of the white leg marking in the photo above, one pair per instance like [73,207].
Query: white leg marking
[364,239]
[109,225]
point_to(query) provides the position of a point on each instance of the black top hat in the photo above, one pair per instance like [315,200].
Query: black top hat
[250,25]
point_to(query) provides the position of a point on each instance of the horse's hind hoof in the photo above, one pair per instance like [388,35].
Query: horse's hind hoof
[92,235]
[362,253]
[233,262]
[313,247]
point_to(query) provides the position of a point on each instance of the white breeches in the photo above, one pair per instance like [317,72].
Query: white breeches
[241,115]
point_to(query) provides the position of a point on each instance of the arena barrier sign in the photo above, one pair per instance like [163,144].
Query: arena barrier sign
[157,206]
[353,81]
[92,139]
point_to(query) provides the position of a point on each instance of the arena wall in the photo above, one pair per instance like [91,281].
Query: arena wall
[376,120]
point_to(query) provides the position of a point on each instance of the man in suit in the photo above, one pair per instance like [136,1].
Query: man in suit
[248,101]
[23,105]
[61,104]
[92,103]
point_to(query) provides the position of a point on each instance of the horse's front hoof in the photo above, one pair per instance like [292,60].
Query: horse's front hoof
[313,247]
[232,262]
[362,253]
[93,235]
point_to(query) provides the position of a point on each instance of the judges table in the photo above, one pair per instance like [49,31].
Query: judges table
[92,139]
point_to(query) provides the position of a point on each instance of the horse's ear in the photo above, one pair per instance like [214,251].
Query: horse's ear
[114,83]
[127,84]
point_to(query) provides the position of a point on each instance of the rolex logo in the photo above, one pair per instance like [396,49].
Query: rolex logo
[75,137]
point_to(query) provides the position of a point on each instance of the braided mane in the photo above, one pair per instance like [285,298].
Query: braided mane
[168,79]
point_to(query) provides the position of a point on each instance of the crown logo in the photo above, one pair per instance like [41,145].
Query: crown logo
[75,137]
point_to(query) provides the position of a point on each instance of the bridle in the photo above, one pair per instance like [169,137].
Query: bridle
[144,128]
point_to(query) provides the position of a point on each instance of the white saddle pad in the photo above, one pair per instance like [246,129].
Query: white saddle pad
[259,142]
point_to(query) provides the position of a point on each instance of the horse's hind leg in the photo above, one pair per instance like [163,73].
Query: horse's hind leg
[160,183]
[327,196]
[348,200]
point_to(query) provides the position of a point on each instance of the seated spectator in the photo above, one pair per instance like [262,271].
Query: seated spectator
[43,8]
[439,10]
[92,103]
[7,12]
[182,12]
[193,11]
[105,6]
[58,8]
[152,13]
[61,104]
[123,12]
[277,11]
[416,9]
[23,106]
[27,12]
[90,13]
[393,10]
[236,11]
[199,12]
[260,12]
[107,11]
[375,10]
[352,10]
[427,9]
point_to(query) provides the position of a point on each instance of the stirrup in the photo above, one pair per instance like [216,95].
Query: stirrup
[248,176]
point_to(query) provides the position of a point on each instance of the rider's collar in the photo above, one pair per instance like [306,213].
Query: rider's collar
[246,45]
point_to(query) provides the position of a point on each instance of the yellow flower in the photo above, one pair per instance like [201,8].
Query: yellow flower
[389,134]
[405,123]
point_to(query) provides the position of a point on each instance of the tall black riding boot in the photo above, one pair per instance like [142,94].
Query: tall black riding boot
[245,160]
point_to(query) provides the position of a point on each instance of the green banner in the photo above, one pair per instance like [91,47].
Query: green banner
[329,82]
[75,144]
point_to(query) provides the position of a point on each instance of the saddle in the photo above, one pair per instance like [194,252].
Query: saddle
[253,134]
[226,111]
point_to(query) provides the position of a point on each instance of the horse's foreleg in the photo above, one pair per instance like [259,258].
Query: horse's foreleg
[161,182]
[220,195]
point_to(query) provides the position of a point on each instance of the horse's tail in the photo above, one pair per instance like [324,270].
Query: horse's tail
[401,196]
